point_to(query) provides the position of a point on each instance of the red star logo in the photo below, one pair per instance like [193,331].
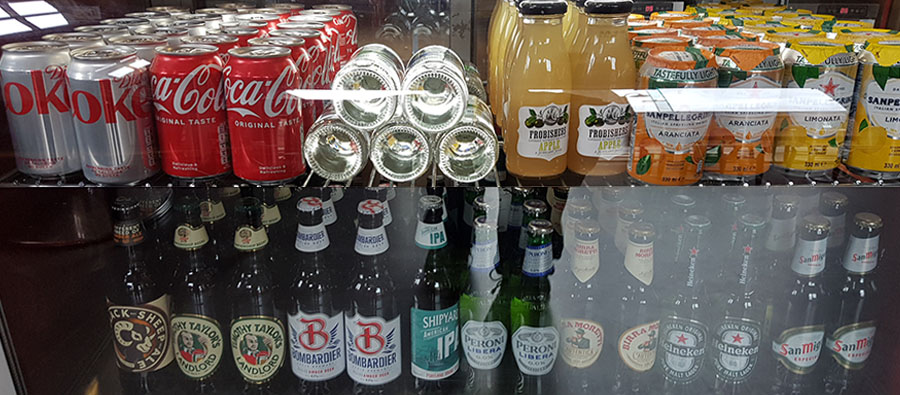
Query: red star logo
[737,339]
[694,251]
[830,87]
[747,249]
[682,339]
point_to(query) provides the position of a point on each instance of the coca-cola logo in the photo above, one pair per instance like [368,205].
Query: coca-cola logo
[243,96]
[312,67]
[348,20]
[45,95]
[195,93]
[129,99]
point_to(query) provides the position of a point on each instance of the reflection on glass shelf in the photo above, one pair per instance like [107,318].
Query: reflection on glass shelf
[25,8]
[47,21]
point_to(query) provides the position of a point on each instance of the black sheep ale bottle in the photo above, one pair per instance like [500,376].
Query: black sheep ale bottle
[138,307]
[315,314]
[851,327]
[257,334]
[196,322]
[372,317]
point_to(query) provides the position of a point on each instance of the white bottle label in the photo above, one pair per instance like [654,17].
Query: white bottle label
[317,346]
[585,259]
[820,125]
[271,214]
[837,231]
[604,131]
[736,345]
[684,348]
[582,342]
[484,257]
[199,345]
[677,132]
[637,346]
[484,343]
[538,260]
[882,104]
[248,239]
[329,215]
[535,349]
[190,238]
[809,257]
[430,236]
[211,210]
[373,349]
[311,238]
[371,241]
[543,131]
[782,234]
[639,261]
[861,255]
[798,349]
[852,344]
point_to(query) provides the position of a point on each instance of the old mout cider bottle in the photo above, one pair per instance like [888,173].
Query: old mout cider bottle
[850,330]
[315,312]
[798,319]
[257,333]
[372,315]
[138,307]
[199,304]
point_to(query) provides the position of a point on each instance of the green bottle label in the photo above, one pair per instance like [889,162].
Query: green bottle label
[435,344]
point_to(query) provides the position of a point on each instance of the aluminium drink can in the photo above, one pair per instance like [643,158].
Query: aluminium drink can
[347,22]
[107,31]
[113,115]
[76,40]
[243,34]
[222,42]
[130,23]
[33,76]
[297,45]
[144,44]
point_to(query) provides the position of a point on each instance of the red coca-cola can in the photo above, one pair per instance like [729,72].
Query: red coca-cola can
[347,23]
[222,42]
[334,36]
[190,111]
[297,45]
[243,34]
[312,68]
[261,26]
[290,8]
[271,20]
[265,122]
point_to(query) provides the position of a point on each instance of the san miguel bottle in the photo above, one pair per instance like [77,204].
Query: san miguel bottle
[434,315]
[257,333]
[637,314]
[138,306]
[535,339]
[851,327]
[199,306]
[798,320]
[372,316]
[315,314]
[684,330]
[484,315]
[737,329]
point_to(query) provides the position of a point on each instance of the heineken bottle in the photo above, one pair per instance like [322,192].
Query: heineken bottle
[739,312]
[535,340]
[669,242]
[315,313]
[851,326]
[434,321]
[484,315]
[199,306]
[372,315]
[726,223]
[256,331]
[683,329]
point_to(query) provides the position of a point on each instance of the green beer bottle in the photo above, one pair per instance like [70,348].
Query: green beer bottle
[532,209]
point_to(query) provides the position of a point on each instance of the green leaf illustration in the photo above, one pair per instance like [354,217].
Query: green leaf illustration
[832,142]
[760,149]
[690,160]
[882,74]
[803,73]
[593,113]
[864,124]
[533,114]
[643,165]
[784,124]
[713,154]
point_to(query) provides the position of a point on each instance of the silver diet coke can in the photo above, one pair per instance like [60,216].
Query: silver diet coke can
[113,119]
[76,40]
[37,107]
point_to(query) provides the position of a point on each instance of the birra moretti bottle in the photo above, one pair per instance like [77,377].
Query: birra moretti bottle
[372,316]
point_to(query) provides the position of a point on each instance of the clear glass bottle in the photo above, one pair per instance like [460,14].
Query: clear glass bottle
[374,67]
[335,150]
[468,152]
[400,152]
[436,89]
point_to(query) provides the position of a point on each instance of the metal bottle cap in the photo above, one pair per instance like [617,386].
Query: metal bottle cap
[126,209]
[698,222]
[754,221]
[682,201]
[868,221]
[816,224]
[733,201]
[522,191]
[833,203]
[587,227]
[631,210]
[430,202]
[612,195]
[641,232]
[534,207]
[540,227]
[786,203]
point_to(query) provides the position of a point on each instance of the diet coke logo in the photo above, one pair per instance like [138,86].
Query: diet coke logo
[127,97]
[196,93]
[244,95]
[45,95]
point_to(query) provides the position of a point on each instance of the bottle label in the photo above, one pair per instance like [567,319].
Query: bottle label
[838,228]
[798,348]
[435,342]
[141,335]
[543,131]
[329,215]
[852,344]
[257,346]
[190,238]
[736,347]
[585,259]
[684,346]
[128,233]
[484,256]
[840,88]
[781,235]
[538,260]
[515,215]
[603,131]
[557,205]
[248,239]
[371,241]
[199,345]
[317,345]
[387,218]
[639,261]
[535,349]
[637,346]
[373,349]
[431,236]
[582,342]
[620,239]
[809,257]
[861,255]
[211,210]
[282,193]
[484,343]
[271,214]
[311,238]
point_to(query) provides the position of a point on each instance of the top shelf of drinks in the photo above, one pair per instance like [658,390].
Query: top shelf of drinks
[349,134]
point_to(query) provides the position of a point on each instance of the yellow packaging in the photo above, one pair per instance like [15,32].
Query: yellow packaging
[658,32]
[762,9]
[641,47]
[688,23]
[669,148]
[808,143]
[814,21]
[782,36]
[741,20]
[707,31]
[702,10]
[859,36]
[838,25]
[875,135]
[760,29]
[671,16]
[710,42]
[787,14]
[635,17]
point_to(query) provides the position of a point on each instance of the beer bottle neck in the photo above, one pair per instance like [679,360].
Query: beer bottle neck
[693,251]
[538,261]
[861,254]
[740,268]
[809,256]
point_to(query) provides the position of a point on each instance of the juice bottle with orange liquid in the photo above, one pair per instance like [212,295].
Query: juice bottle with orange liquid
[603,123]
[537,93]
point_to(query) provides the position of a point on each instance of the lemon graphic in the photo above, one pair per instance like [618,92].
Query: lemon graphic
[870,140]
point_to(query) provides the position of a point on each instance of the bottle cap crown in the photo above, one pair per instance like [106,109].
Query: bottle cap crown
[310,210]
[641,232]
[868,221]
[540,227]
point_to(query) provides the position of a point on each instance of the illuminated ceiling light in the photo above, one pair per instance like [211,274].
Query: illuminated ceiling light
[11,26]
[26,8]
[47,21]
